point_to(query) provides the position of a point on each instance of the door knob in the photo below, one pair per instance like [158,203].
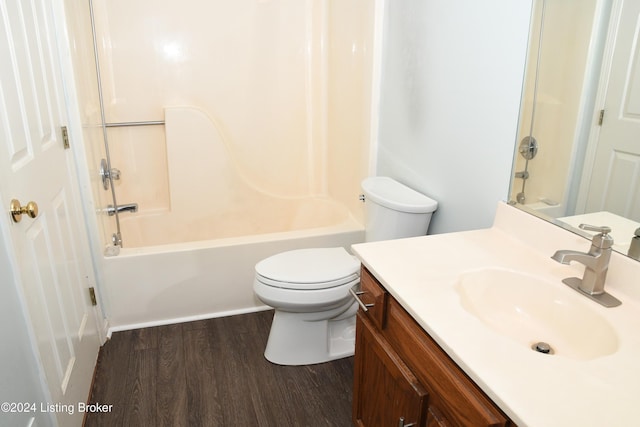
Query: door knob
[17,210]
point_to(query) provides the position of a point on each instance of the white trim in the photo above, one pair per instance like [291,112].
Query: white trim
[186,319]
[594,136]
[588,109]
[93,260]
[376,84]
[103,331]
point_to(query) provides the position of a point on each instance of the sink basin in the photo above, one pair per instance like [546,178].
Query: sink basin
[529,309]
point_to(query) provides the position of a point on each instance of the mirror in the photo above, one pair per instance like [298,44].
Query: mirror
[577,156]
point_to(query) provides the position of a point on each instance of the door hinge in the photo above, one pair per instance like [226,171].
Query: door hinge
[92,296]
[65,137]
[601,118]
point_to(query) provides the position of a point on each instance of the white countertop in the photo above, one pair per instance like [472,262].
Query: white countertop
[533,389]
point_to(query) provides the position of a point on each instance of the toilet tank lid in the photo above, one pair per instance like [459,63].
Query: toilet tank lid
[391,194]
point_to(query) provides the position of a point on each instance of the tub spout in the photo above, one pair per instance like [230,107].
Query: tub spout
[129,207]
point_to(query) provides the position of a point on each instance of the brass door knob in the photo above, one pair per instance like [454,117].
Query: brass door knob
[31,209]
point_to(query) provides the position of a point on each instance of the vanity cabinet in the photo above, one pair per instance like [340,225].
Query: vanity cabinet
[402,376]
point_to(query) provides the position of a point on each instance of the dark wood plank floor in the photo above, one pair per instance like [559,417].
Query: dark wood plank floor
[213,373]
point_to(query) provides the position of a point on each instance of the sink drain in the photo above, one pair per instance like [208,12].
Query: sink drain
[542,347]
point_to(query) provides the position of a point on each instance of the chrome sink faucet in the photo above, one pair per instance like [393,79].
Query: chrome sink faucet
[596,263]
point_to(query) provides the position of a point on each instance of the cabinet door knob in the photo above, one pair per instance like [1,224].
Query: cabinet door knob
[402,424]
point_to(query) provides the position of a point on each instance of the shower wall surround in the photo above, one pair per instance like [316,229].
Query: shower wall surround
[286,83]
[566,50]
[79,33]
[285,90]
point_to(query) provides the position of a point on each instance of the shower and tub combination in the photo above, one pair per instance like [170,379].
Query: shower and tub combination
[555,116]
[221,133]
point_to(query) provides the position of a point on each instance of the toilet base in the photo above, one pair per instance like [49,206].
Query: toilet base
[300,339]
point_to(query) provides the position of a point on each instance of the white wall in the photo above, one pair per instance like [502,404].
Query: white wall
[452,78]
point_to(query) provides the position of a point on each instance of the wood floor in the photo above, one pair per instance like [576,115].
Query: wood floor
[213,373]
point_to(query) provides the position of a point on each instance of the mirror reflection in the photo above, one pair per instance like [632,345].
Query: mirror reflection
[577,158]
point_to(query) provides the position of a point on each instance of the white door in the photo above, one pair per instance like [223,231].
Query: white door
[615,180]
[50,250]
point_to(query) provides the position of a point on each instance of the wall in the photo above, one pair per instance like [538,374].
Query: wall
[452,80]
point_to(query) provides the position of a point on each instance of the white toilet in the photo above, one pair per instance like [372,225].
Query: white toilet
[314,319]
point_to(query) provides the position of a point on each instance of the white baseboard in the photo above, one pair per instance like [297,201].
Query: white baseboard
[184,319]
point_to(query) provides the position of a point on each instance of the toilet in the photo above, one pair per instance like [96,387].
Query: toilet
[314,318]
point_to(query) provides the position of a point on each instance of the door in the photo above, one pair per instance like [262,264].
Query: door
[615,181]
[49,251]
[385,392]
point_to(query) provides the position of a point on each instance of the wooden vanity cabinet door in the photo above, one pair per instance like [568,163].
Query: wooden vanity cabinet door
[435,418]
[385,390]
[373,294]
[452,393]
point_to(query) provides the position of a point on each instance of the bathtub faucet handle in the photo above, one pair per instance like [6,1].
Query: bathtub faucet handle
[115,173]
[107,175]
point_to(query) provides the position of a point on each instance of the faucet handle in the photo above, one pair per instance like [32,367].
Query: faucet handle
[601,240]
[600,229]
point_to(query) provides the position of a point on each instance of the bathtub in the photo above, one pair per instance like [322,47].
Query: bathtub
[552,210]
[170,282]
[190,250]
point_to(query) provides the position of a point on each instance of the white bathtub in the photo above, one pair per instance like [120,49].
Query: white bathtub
[553,210]
[170,283]
[252,213]
[260,153]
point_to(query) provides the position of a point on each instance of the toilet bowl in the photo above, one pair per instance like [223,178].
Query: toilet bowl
[314,317]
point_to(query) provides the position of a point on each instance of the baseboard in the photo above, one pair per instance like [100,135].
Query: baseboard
[104,333]
[185,319]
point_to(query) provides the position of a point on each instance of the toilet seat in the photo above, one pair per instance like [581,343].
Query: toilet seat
[308,269]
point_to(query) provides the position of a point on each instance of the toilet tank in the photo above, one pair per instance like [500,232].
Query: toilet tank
[394,211]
